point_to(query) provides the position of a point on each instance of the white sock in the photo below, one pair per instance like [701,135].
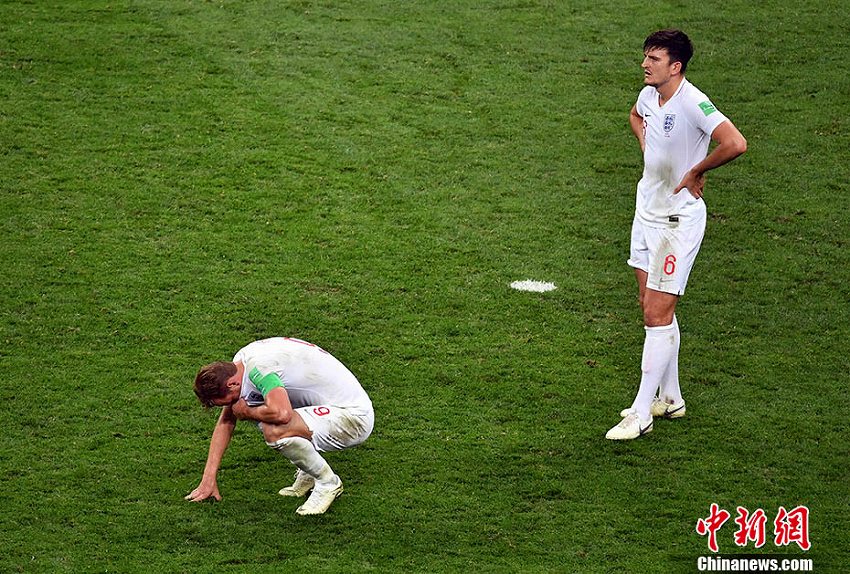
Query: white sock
[670,391]
[658,350]
[304,455]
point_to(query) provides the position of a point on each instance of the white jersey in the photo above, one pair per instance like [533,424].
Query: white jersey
[677,138]
[310,375]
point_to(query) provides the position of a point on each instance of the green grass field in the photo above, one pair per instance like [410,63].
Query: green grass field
[179,178]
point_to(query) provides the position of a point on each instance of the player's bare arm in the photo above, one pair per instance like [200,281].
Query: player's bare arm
[218,445]
[277,415]
[275,410]
[636,123]
[730,144]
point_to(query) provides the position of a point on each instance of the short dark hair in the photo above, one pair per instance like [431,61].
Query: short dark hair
[676,42]
[211,382]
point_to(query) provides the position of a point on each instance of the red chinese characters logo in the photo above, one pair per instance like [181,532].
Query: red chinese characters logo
[790,527]
[716,517]
[750,527]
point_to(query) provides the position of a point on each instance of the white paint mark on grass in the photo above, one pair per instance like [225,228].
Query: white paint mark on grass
[533,286]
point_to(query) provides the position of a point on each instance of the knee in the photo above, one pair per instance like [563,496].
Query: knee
[658,309]
[271,433]
[274,433]
[657,318]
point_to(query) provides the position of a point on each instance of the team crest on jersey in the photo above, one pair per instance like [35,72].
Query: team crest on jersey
[669,122]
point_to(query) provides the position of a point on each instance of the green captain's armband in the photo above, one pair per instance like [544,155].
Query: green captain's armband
[264,382]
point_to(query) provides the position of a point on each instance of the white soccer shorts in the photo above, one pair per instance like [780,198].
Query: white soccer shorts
[336,428]
[666,254]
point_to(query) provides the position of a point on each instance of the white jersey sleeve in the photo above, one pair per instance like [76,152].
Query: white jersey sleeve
[252,395]
[700,112]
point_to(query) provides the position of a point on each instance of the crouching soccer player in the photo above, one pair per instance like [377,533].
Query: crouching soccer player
[305,402]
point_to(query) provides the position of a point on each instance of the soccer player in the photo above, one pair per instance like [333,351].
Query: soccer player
[305,402]
[674,122]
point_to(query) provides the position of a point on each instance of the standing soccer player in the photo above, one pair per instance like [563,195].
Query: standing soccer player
[305,402]
[674,123]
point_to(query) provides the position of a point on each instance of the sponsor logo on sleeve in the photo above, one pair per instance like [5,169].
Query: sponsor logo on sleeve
[707,108]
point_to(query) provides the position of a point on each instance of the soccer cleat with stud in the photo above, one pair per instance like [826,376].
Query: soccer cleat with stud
[302,485]
[630,427]
[321,498]
[661,408]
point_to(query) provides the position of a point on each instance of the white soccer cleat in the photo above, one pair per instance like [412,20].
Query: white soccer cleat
[321,498]
[302,485]
[661,408]
[630,427]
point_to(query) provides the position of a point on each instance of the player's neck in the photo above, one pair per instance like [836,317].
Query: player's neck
[668,89]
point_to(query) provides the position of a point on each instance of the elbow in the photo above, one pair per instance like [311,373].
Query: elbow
[741,145]
[283,417]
